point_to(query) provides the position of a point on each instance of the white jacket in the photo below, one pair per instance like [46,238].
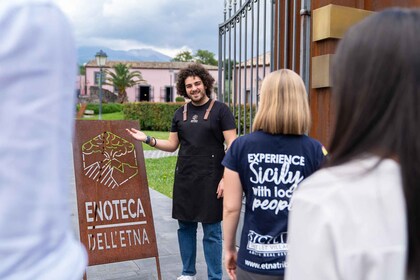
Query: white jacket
[37,89]
[349,222]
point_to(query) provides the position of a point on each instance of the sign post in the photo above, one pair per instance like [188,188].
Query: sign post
[115,215]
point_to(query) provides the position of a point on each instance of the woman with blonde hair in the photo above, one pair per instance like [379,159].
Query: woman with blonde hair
[266,166]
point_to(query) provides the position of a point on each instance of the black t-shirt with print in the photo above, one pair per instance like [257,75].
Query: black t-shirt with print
[270,168]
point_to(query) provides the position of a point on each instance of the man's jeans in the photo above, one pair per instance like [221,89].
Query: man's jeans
[212,244]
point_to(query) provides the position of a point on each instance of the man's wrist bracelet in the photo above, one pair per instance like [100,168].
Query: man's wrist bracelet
[152,145]
[148,138]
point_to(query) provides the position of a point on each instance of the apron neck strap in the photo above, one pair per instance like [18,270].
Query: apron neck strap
[206,115]
[184,113]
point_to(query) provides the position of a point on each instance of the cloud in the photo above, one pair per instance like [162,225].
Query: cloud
[164,25]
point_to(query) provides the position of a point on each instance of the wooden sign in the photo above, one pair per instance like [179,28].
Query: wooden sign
[115,215]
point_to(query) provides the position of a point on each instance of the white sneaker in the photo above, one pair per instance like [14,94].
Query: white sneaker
[186,277]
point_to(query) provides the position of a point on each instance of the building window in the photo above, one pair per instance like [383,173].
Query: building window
[96,78]
[248,96]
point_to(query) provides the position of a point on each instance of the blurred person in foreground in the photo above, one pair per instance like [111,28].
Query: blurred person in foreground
[360,217]
[200,129]
[37,78]
[267,165]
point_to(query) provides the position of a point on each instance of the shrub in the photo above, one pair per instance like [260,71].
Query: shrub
[151,115]
[244,121]
[158,116]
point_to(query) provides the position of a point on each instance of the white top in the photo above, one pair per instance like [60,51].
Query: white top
[37,90]
[349,222]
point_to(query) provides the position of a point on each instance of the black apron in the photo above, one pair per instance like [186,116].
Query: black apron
[198,170]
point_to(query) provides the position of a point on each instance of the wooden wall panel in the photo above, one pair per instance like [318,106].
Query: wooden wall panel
[371,5]
[320,99]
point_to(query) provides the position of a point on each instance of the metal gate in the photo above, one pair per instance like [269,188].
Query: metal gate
[257,37]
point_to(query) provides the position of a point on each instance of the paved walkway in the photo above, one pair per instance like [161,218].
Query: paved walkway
[167,241]
[158,154]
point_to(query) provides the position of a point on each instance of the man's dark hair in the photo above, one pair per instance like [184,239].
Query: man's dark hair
[194,70]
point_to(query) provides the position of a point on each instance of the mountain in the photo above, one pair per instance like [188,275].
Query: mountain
[84,54]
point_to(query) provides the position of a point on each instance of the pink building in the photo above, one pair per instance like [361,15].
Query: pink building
[249,75]
[159,83]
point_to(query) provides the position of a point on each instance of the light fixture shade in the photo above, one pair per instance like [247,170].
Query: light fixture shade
[101,58]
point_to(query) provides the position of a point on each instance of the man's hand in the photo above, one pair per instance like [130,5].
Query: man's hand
[220,189]
[137,134]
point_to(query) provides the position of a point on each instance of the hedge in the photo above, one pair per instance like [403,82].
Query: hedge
[242,120]
[152,115]
[158,116]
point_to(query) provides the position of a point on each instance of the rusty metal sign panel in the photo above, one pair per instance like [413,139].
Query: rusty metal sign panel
[115,215]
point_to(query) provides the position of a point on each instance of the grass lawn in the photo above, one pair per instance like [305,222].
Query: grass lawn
[108,117]
[158,135]
[160,174]
[160,171]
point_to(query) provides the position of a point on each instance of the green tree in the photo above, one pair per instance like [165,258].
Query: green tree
[200,56]
[183,56]
[82,69]
[229,64]
[122,79]
[205,57]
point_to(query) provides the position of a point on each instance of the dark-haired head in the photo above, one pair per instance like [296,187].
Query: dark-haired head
[194,70]
[376,89]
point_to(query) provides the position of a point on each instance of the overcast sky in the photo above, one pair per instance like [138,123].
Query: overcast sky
[167,26]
